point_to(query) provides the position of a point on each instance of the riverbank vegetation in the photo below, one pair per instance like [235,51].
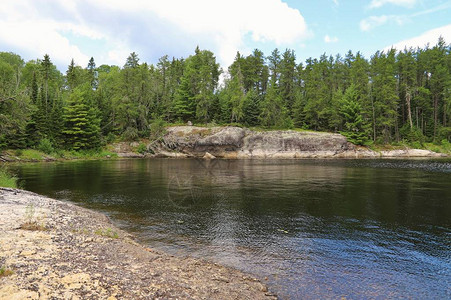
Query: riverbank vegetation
[398,98]
[7,179]
[36,155]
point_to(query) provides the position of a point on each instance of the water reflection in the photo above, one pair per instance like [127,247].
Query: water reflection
[315,228]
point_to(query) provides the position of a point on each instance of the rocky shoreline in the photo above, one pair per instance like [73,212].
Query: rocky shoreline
[50,249]
[242,143]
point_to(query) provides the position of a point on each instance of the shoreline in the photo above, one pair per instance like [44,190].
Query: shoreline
[363,154]
[50,248]
[232,143]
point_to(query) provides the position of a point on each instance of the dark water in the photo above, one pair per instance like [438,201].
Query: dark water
[314,228]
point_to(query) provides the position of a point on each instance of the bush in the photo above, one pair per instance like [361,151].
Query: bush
[416,145]
[412,134]
[444,133]
[446,145]
[45,145]
[157,128]
[130,134]
[142,148]
[110,138]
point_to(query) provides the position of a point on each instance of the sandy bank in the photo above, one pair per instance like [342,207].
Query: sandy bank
[58,250]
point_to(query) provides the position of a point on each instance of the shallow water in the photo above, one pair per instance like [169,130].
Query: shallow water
[311,228]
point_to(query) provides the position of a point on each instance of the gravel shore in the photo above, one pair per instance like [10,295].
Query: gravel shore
[55,250]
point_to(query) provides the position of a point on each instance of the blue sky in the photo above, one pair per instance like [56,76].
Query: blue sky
[109,30]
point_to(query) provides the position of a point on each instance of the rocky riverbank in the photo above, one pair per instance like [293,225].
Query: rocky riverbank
[233,143]
[236,142]
[55,250]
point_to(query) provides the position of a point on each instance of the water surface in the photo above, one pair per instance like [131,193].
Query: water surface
[309,228]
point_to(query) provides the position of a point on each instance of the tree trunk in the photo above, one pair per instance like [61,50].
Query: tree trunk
[374,119]
[409,112]
[444,115]
[435,114]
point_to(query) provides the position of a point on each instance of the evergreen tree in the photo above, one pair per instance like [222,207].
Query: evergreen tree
[82,126]
[92,73]
[351,111]
[384,94]
[273,110]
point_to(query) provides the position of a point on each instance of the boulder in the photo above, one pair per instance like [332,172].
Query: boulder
[208,156]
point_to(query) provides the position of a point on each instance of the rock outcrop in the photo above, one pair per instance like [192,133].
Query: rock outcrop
[236,142]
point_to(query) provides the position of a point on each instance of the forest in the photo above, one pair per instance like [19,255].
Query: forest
[391,97]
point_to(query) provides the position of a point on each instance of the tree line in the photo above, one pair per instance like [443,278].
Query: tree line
[390,97]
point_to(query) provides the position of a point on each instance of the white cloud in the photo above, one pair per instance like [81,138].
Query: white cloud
[329,39]
[40,38]
[376,21]
[228,21]
[336,2]
[429,37]
[404,3]
[39,26]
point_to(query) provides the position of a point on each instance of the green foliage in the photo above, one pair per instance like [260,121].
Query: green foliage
[446,145]
[107,232]
[130,134]
[82,126]
[412,135]
[157,128]
[274,113]
[142,148]
[31,154]
[392,97]
[6,179]
[351,111]
[45,145]
[5,272]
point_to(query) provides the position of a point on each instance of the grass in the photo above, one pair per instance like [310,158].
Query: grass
[33,226]
[36,155]
[5,272]
[108,232]
[6,179]
[31,154]
[443,147]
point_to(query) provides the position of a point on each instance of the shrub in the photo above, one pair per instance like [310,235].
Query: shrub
[446,145]
[142,148]
[412,134]
[157,128]
[5,272]
[45,145]
[130,134]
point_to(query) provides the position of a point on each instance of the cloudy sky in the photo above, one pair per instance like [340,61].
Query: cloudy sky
[109,30]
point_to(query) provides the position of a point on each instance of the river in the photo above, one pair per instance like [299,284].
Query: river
[308,228]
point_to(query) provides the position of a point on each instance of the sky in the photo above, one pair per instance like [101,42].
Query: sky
[109,30]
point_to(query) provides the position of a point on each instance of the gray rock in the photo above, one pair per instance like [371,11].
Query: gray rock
[235,142]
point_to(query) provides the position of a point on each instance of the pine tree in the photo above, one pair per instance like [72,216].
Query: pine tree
[351,111]
[273,110]
[236,91]
[82,126]
[92,73]
[384,94]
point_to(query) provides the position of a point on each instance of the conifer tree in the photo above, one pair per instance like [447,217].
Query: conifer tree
[351,111]
[82,126]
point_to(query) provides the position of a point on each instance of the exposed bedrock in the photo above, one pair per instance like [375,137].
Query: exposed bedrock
[235,142]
